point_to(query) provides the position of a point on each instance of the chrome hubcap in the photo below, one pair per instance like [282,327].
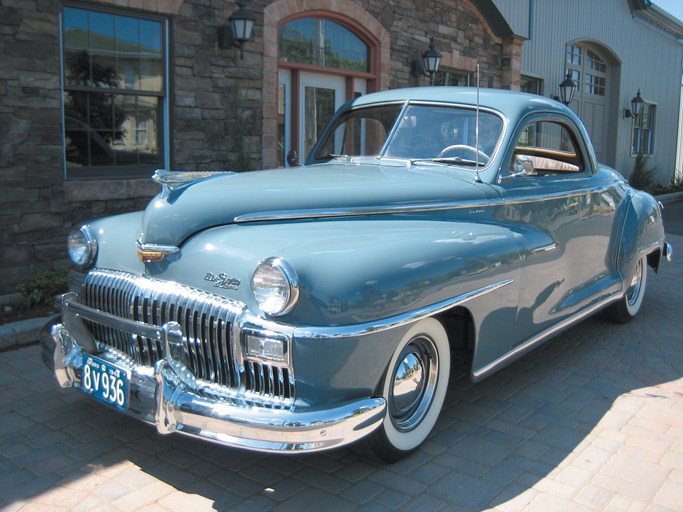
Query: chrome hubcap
[413,383]
[636,282]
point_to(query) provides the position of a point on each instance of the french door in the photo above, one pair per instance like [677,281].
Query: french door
[306,102]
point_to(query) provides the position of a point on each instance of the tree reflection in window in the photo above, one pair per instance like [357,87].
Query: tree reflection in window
[324,43]
[113,92]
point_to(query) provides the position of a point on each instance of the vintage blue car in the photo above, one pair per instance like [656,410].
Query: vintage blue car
[307,308]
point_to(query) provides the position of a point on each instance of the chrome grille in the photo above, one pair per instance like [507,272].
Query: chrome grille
[206,322]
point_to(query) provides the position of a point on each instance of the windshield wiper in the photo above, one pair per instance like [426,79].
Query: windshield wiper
[456,160]
[333,156]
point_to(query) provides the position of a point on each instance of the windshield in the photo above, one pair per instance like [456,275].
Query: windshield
[417,132]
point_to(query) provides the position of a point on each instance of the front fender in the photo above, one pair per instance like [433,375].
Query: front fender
[362,271]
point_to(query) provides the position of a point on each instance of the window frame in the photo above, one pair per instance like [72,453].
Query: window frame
[447,74]
[582,154]
[130,171]
[527,80]
[637,131]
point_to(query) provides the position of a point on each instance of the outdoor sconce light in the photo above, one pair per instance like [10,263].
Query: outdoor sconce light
[567,89]
[636,107]
[428,64]
[239,30]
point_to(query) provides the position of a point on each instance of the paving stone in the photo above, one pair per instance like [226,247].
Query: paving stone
[670,495]
[622,503]
[362,492]
[393,499]
[312,500]
[427,503]
[594,496]
[546,502]
[327,482]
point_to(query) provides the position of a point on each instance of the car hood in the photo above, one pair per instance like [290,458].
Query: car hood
[335,188]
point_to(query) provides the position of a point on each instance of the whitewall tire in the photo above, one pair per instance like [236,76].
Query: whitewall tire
[414,387]
[629,305]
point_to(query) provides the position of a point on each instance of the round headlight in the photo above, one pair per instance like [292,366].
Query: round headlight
[275,286]
[82,246]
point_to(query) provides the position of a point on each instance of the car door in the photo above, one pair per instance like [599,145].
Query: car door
[563,209]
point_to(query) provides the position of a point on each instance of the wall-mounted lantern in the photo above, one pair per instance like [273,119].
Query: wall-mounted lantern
[428,64]
[636,107]
[567,89]
[239,30]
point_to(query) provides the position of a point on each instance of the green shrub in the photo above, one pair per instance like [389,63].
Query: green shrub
[642,177]
[42,288]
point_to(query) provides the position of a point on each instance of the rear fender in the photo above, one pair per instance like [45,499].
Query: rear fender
[642,233]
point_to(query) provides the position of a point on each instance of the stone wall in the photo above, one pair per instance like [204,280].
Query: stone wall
[38,207]
[217,104]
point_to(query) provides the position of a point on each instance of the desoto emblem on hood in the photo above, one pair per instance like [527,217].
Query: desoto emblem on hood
[222,281]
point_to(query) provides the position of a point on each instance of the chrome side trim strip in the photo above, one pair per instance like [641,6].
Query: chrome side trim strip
[333,332]
[540,338]
[281,215]
[358,211]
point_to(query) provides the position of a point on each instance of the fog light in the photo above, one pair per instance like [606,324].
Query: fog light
[269,349]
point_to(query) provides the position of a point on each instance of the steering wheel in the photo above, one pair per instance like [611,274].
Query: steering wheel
[459,147]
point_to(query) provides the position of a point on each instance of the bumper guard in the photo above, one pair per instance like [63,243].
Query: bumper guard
[168,396]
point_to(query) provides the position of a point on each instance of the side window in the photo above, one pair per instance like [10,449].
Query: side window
[546,148]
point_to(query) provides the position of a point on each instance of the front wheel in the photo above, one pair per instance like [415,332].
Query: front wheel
[414,388]
[629,305]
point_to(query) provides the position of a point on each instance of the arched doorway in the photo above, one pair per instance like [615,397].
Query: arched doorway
[592,67]
[314,61]
[322,64]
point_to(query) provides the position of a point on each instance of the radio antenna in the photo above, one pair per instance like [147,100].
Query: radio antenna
[477,178]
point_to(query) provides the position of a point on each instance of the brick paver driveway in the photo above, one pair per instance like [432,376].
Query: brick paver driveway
[592,421]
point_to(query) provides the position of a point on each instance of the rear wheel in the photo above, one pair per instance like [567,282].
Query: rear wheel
[414,388]
[629,305]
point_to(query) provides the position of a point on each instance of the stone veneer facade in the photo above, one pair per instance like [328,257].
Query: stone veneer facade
[222,109]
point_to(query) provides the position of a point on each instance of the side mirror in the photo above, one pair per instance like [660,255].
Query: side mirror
[522,165]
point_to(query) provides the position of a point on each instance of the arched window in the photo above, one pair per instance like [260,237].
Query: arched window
[322,63]
[324,43]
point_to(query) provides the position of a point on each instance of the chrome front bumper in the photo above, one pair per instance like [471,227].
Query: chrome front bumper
[168,397]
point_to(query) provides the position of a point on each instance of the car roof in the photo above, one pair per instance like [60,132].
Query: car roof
[511,103]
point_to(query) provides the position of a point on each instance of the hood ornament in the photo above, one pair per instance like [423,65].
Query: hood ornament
[173,180]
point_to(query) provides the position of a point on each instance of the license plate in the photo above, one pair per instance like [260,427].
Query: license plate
[105,381]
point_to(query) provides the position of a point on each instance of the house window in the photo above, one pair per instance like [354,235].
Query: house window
[587,68]
[531,85]
[643,138]
[324,43]
[443,77]
[114,83]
